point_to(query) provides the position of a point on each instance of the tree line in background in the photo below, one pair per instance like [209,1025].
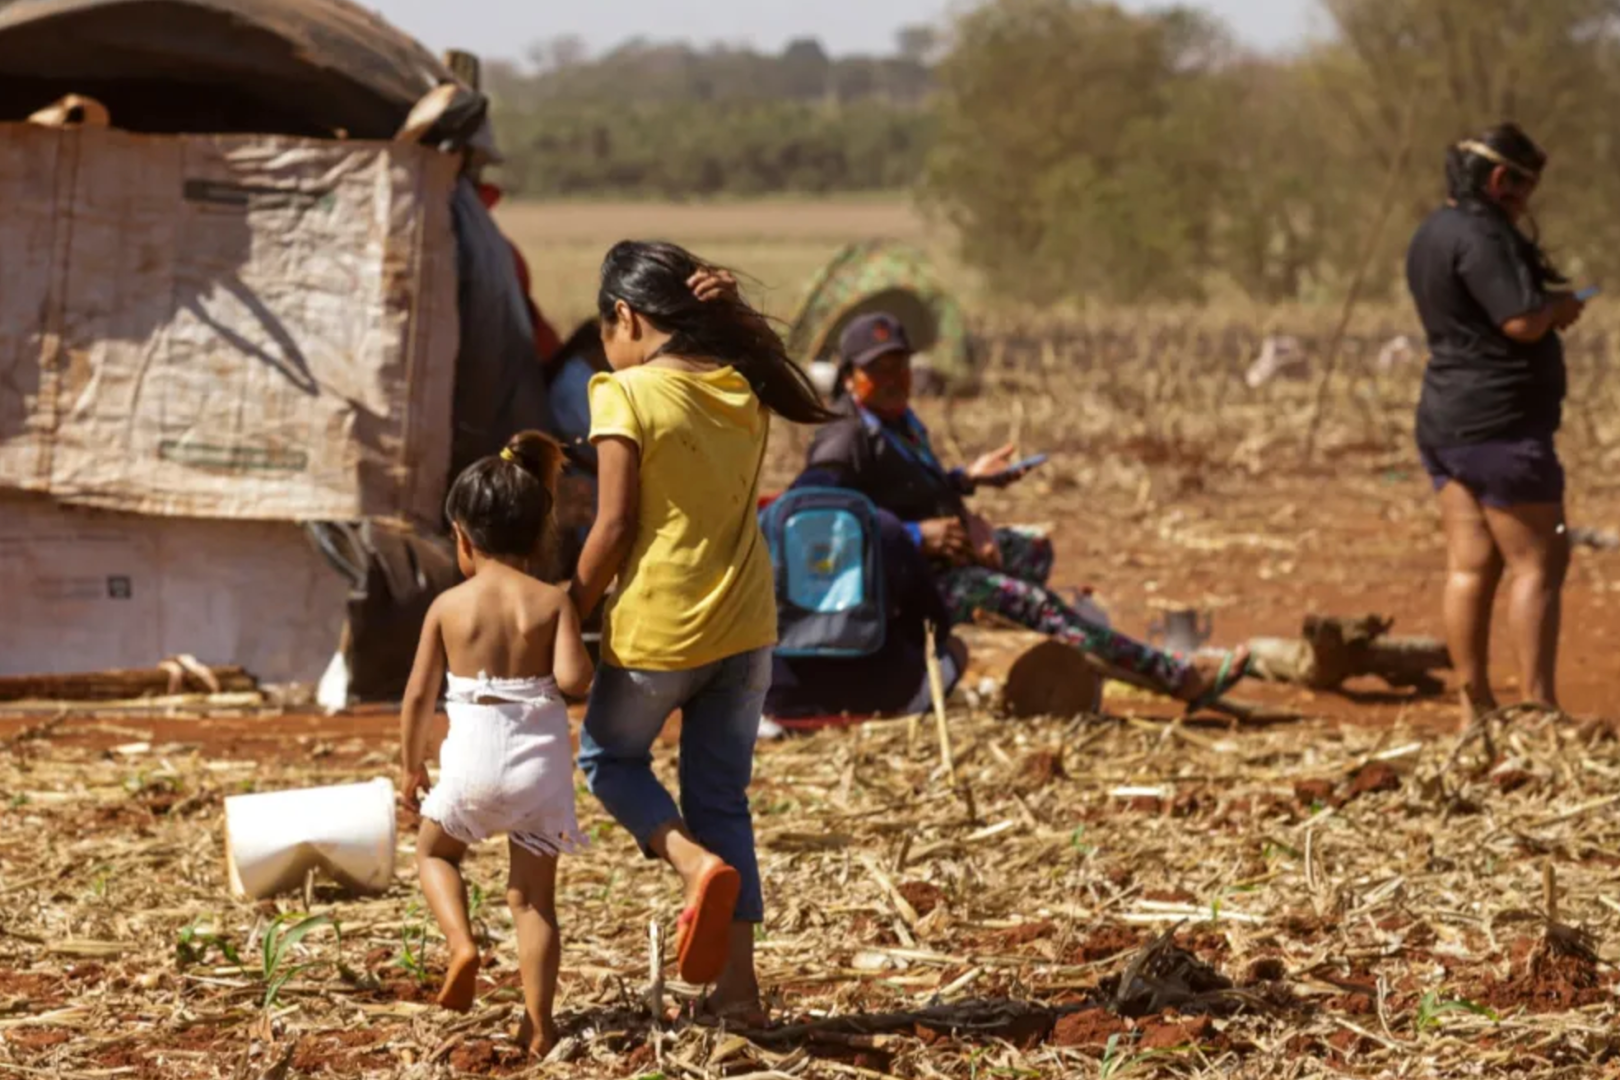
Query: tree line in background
[1082,151]
[673,121]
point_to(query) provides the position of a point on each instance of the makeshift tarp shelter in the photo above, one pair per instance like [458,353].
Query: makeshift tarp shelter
[255,220]
[226,326]
[85,590]
[886,276]
[315,68]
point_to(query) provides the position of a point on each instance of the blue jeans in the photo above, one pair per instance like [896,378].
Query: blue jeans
[720,709]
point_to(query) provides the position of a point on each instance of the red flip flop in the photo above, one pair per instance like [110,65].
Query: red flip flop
[703,941]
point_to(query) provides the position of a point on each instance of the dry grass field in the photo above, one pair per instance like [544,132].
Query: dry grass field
[1362,891]
[779,244]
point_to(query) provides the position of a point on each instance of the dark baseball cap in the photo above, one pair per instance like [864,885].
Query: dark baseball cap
[871,336]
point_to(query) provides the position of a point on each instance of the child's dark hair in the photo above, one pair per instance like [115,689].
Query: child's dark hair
[503,502]
[651,278]
[1469,165]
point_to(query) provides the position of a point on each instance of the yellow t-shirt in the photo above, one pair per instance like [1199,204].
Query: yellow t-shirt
[697,586]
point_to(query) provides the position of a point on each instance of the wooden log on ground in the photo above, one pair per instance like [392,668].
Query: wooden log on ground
[173,677]
[1052,679]
[1283,660]
[170,706]
[1331,651]
[1038,676]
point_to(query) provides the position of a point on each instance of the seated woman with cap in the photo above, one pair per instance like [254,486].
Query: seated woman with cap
[880,448]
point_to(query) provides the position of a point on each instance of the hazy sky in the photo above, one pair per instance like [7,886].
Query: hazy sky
[505,28]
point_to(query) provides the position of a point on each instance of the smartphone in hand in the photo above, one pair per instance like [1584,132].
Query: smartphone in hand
[1014,471]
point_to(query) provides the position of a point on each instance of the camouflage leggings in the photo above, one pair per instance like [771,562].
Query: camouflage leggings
[1018,592]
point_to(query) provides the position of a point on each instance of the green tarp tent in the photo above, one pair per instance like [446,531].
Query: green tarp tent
[882,275]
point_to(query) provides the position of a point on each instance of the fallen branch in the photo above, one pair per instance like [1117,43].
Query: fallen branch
[178,675]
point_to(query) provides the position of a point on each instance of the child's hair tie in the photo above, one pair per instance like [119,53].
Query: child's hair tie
[507,455]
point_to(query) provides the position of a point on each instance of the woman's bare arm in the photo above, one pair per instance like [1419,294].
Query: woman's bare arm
[1530,328]
[618,506]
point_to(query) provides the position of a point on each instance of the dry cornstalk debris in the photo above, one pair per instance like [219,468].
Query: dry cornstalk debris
[120,950]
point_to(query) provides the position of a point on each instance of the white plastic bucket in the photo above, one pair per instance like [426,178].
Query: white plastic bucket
[273,840]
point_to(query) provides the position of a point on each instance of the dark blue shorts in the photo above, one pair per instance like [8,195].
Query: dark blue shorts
[1500,474]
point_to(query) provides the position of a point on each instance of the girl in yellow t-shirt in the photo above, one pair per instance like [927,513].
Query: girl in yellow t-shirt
[680,429]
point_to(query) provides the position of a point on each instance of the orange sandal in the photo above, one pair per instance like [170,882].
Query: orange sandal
[703,931]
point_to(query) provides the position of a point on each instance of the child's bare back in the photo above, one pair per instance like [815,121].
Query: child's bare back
[508,625]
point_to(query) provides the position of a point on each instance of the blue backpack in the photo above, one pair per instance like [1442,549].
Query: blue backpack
[829,577]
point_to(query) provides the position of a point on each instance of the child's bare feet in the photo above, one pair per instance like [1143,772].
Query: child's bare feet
[460,980]
[538,1043]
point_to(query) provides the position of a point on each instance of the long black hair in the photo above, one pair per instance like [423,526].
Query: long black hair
[503,503]
[1469,165]
[651,277]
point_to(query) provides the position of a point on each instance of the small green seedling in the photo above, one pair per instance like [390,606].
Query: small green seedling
[610,889]
[280,939]
[143,783]
[476,899]
[412,958]
[1430,1009]
[101,884]
[1112,1060]
[191,946]
[1115,1065]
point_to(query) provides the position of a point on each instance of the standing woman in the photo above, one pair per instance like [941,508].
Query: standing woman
[1492,306]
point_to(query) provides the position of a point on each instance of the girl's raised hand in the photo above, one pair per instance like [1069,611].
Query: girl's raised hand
[711,284]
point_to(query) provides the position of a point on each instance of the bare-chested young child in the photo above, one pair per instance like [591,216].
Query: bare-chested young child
[513,647]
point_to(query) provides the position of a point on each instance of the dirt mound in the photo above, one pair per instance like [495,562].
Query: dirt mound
[923,896]
[1556,973]
[1024,934]
[1368,780]
[1314,792]
[1104,944]
[484,1057]
[1088,1028]
[1041,768]
[1170,1033]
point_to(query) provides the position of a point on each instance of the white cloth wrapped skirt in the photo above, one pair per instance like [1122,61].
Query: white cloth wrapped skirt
[506,767]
